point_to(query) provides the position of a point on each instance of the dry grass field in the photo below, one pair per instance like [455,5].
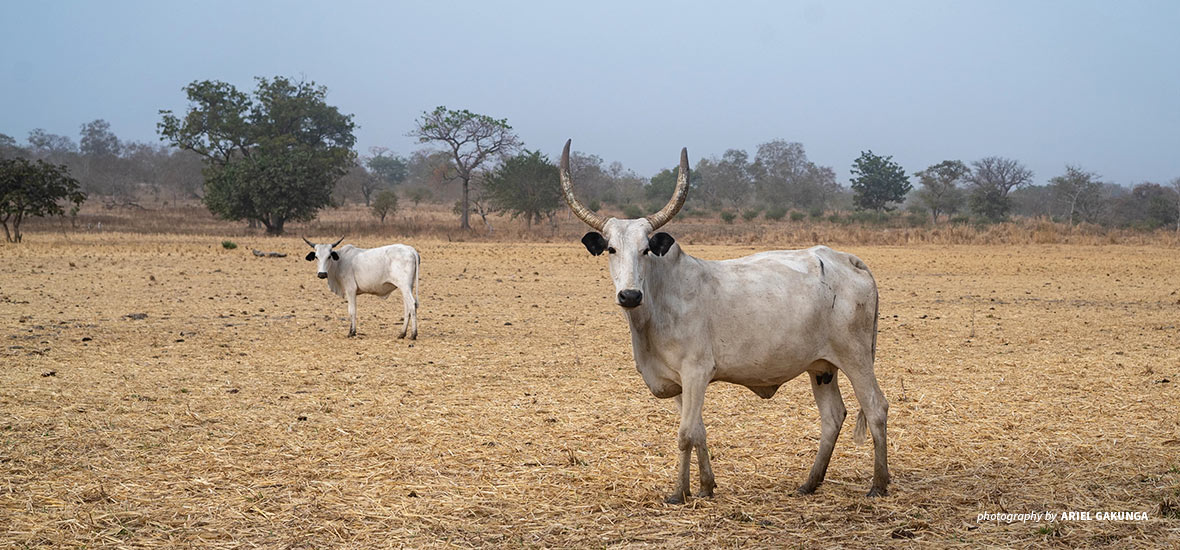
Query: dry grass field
[159,391]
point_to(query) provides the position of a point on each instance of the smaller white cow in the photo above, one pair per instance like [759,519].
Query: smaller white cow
[378,271]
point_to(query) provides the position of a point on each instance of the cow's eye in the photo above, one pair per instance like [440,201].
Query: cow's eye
[610,249]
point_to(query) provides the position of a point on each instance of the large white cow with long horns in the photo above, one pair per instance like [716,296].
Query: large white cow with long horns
[379,271]
[756,321]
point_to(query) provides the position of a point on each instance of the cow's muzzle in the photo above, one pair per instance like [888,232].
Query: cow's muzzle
[630,298]
[322,275]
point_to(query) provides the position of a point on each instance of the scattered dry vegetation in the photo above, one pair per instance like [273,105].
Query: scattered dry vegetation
[163,391]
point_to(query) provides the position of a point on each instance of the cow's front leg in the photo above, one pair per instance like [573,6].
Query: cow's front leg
[351,314]
[692,436]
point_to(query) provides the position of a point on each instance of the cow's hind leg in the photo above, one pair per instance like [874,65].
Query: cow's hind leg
[351,314]
[690,437]
[873,409]
[410,314]
[831,417]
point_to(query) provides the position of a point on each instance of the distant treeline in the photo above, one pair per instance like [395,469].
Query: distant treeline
[778,180]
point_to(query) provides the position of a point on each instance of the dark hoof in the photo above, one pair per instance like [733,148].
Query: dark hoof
[400,336]
[674,499]
[877,492]
[805,489]
[704,493]
[352,334]
[414,337]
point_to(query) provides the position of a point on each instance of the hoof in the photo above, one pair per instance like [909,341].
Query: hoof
[400,336]
[805,489]
[704,493]
[674,499]
[414,337]
[877,492]
[351,333]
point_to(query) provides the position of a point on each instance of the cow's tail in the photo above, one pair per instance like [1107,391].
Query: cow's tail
[418,269]
[858,434]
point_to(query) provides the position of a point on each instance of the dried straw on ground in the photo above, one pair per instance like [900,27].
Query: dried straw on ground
[236,414]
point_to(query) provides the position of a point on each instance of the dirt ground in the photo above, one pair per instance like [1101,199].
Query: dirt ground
[235,413]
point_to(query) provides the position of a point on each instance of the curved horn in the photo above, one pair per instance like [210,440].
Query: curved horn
[337,243]
[309,243]
[678,197]
[567,188]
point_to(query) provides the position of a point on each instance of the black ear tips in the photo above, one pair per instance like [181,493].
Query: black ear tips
[310,256]
[594,242]
[660,243]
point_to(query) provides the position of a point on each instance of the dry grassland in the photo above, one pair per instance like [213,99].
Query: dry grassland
[237,414]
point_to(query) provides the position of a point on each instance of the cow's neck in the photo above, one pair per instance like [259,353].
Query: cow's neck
[672,284]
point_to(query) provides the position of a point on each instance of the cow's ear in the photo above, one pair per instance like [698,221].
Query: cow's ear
[310,256]
[594,242]
[335,256]
[660,243]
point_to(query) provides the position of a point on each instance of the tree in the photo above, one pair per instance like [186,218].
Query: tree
[782,176]
[271,158]
[1176,187]
[98,140]
[940,191]
[34,188]
[992,179]
[1080,190]
[525,185]
[473,140]
[44,144]
[418,194]
[878,181]
[385,170]
[384,204]
[8,146]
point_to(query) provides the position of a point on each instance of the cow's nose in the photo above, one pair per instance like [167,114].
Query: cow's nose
[630,297]
[322,275]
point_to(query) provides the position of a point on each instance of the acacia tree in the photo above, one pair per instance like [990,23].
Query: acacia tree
[878,181]
[34,188]
[1079,189]
[940,190]
[271,158]
[992,179]
[526,185]
[472,139]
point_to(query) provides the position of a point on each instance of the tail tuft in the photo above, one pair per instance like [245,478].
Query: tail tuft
[858,434]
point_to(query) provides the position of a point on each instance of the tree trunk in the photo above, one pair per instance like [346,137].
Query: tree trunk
[463,218]
[7,234]
[274,227]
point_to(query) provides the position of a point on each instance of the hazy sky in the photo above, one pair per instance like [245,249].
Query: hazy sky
[1048,83]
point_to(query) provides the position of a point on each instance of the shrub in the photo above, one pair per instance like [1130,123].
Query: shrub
[961,219]
[775,213]
[816,213]
[834,218]
[229,245]
[750,214]
[727,216]
[594,206]
[632,211]
[384,204]
[797,216]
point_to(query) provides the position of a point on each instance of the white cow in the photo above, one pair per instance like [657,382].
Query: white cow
[379,271]
[756,321]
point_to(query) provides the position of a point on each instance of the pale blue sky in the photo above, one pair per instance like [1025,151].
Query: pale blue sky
[1048,83]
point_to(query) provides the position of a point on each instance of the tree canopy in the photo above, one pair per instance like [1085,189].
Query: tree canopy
[940,192]
[878,181]
[525,186]
[992,179]
[34,188]
[272,157]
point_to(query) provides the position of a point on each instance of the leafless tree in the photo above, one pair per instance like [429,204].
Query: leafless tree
[472,140]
